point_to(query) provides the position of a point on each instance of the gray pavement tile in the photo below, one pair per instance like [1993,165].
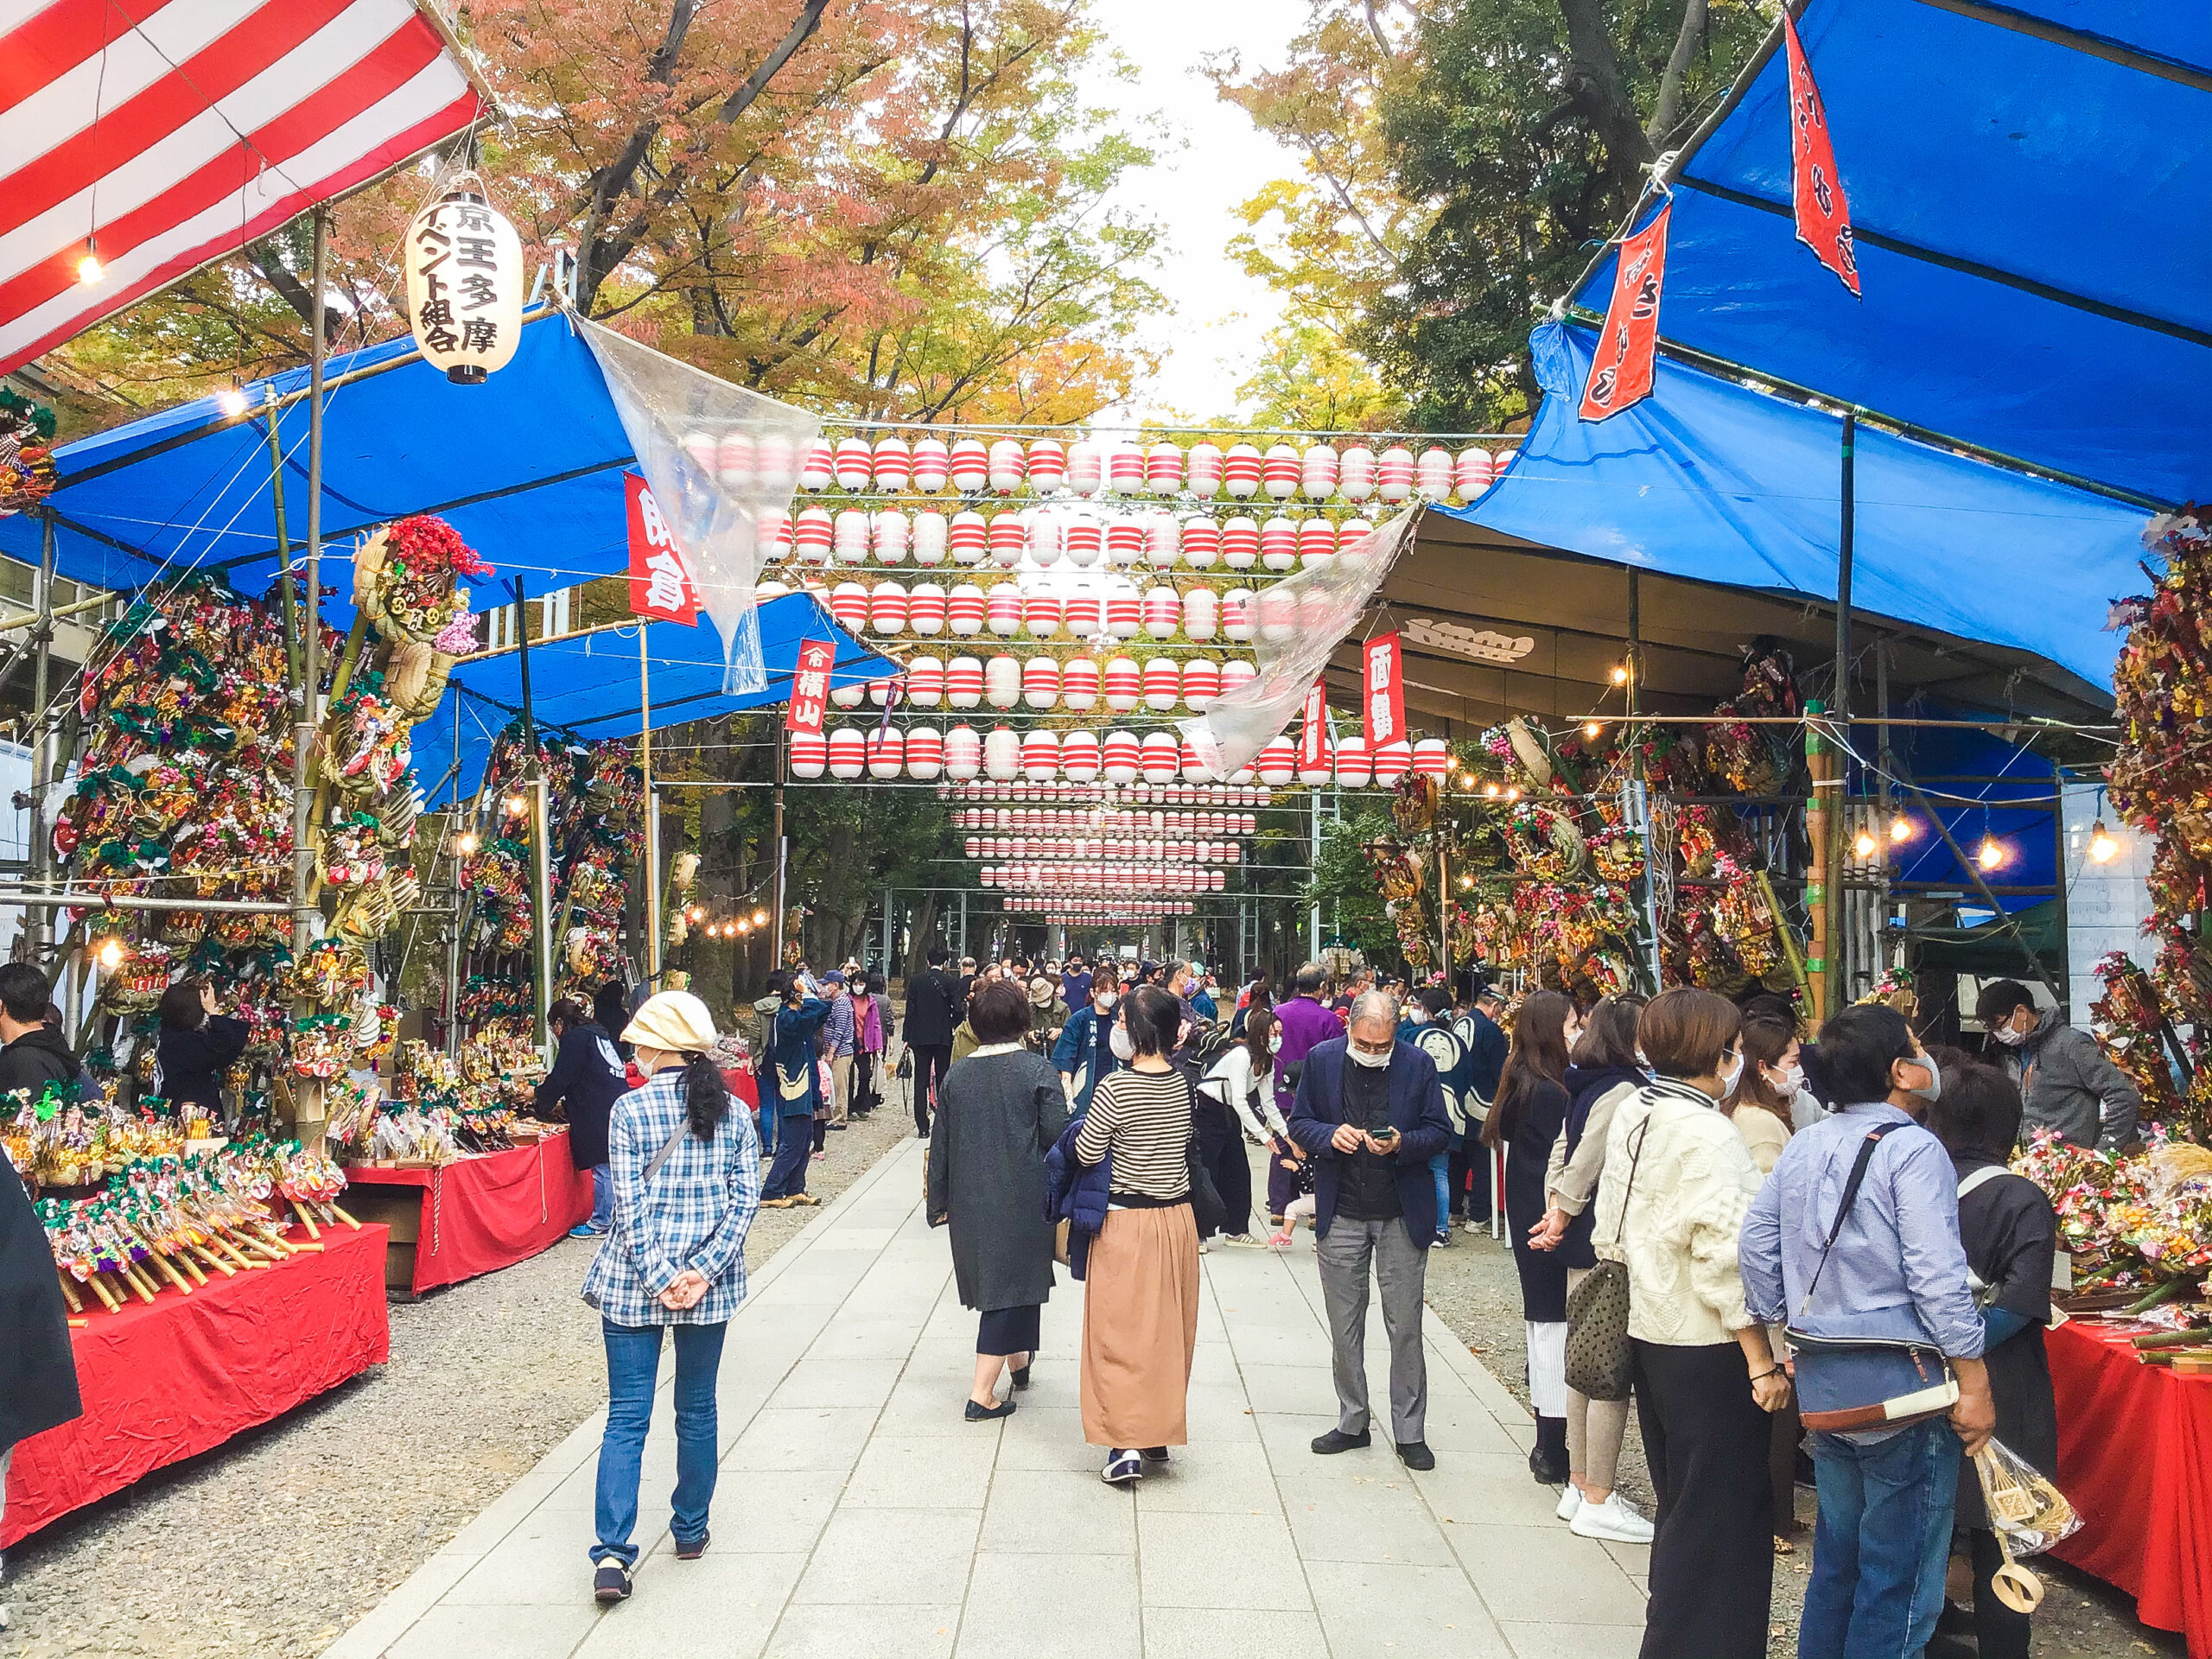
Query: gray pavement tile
[911,1472]
[1402,1612]
[545,1561]
[1231,1633]
[1537,1640]
[891,1555]
[1219,1561]
[769,1510]
[720,1606]
[1052,1607]
[1057,1512]
[852,1337]
[880,1632]
[1046,1437]
[1302,1390]
[1212,1478]
[1361,1518]
[486,1632]
[801,1438]
[849,1383]
[1472,1489]
[1540,1574]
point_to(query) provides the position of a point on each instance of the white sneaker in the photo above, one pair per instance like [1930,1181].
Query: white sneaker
[1569,1502]
[1205,1248]
[1124,1468]
[1244,1242]
[1613,1520]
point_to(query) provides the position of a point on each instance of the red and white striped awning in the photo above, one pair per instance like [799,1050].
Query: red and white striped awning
[164,134]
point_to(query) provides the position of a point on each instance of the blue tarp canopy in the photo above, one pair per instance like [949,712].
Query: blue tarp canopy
[586,686]
[527,467]
[2027,184]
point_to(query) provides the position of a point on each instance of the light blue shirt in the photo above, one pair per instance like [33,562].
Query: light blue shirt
[1897,1269]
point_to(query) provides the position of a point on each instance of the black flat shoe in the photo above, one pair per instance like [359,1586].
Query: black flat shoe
[1020,1376]
[694,1549]
[611,1583]
[1415,1454]
[1548,1471]
[986,1414]
[1336,1440]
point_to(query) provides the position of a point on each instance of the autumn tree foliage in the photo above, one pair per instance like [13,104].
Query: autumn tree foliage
[885,207]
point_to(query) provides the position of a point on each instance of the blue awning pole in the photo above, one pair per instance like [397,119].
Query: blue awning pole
[541,885]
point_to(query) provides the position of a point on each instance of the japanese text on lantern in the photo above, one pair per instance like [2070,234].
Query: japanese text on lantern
[660,586]
[811,686]
[456,239]
[1385,697]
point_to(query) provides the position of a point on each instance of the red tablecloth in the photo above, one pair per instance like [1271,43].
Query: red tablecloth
[2135,1460]
[481,1214]
[170,1379]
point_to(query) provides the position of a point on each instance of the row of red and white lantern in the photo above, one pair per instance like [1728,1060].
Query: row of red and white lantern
[1045,536]
[1118,878]
[1080,683]
[1096,913]
[1138,847]
[966,612]
[1100,821]
[1121,757]
[970,466]
[1102,795]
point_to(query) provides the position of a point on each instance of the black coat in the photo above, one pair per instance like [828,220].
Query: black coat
[1416,1112]
[587,1074]
[1585,1086]
[2011,1235]
[192,1062]
[1536,1124]
[38,1373]
[37,1057]
[997,1115]
[931,1009]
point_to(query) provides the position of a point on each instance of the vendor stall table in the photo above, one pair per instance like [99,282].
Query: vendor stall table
[476,1215]
[2135,1460]
[169,1379]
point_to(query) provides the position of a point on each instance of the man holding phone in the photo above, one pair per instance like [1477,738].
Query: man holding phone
[1370,1109]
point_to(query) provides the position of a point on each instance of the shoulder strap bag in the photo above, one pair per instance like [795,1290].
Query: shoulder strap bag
[1849,1383]
[1598,1364]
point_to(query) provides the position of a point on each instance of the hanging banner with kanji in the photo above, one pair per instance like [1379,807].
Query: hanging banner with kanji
[660,586]
[1383,687]
[811,686]
[1823,211]
[1313,740]
[1620,373]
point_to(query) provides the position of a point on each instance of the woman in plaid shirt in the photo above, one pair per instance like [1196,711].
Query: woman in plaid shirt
[687,1184]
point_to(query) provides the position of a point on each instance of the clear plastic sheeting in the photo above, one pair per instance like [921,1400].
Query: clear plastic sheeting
[720,461]
[1301,620]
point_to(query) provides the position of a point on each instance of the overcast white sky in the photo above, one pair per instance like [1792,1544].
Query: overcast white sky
[1220,314]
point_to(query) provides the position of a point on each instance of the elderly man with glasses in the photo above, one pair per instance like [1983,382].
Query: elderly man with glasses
[1370,1113]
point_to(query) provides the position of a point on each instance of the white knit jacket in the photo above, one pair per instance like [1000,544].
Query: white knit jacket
[1685,1205]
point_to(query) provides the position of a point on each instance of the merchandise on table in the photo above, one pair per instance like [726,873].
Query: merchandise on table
[2136,1222]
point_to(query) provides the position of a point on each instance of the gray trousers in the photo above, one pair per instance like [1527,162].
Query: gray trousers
[1402,1270]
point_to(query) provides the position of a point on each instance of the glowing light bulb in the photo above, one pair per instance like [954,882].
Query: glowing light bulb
[1491,790]
[1620,673]
[112,953]
[231,401]
[759,919]
[2102,847]
[1466,780]
[1513,794]
[517,806]
[1900,828]
[698,912]
[1590,728]
[465,842]
[1466,881]
[89,269]
[1991,855]
[1863,847]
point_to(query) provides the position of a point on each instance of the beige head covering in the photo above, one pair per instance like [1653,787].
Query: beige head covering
[1040,992]
[675,1021]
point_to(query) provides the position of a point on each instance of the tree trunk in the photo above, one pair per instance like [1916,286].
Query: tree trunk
[1667,108]
[1594,85]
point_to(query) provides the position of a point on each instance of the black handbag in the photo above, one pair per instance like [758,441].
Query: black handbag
[1599,1365]
[1207,1209]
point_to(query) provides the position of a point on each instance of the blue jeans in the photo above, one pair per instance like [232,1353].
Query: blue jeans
[602,1198]
[632,1365]
[1882,1542]
[794,1140]
[1440,1168]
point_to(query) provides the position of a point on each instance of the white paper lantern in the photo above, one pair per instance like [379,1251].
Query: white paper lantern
[1003,610]
[1124,543]
[1317,472]
[1163,685]
[1472,472]
[1163,468]
[968,465]
[1433,758]
[1201,613]
[1201,539]
[931,542]
[925,682]
[889,532]
[1240,543]
[1048,465]
[1083,540]
[893,464]
[931,465]
[924,752]
[849,538]
[886,608]
[964,610]
[1045,526]
[1079,683]
[1002,682]
[1121,755]
[1124,683]
[1236,671]
[1355,473]
[1163,540]
[1080,756]
[1009,538]
[1162,613]
[1392,761]
[812,536]
[963,752]
[1395,473]
[1040,682]
[775,465]
[816,469]
[1239,617]
[1201,683]
[810,754]
[848,604]
[1040,756]
[1280,469]
[1084,472]
[848,753]
[1002,754]
[1041,614]
[969,539]
[925,610]
[886,751]
[464,286]
[1278,544]
[1124,471]
[1316,543]
[1202,471]
[1433,473]
[963,682]
[853,463]
[1276,763]
[1007,465]
[1161,757]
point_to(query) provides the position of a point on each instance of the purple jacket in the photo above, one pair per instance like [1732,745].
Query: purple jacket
[1304,1024]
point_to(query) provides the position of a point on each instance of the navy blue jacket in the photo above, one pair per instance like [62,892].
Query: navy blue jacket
[1416,1112]
[1076,1193]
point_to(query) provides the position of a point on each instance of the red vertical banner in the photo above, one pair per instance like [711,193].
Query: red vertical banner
[1313,739]
[811,686]
[1383,685]
[1815,187]
[660,580]
[1620,373]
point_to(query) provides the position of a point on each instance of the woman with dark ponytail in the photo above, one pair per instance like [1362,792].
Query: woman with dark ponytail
[687,1185]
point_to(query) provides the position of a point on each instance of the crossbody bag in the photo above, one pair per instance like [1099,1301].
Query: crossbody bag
[1850,1384]
[1598,1354]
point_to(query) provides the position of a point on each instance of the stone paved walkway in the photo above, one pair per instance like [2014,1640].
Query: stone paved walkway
[859,1516]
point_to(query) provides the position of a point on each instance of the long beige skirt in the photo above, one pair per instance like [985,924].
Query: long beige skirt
[1140,1327]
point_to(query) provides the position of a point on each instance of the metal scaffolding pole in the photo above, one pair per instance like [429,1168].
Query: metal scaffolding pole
[310,682]
[40,927]
[652,807]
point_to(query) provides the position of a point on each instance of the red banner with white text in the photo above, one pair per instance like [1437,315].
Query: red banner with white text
[1816,189]
[1313,739]
[811,686]
[1382,685]
[660,582]
[1620,373]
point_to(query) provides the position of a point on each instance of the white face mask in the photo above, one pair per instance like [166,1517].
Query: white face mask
[1274,1043]
[2009,1037]
[1792,1079]
[1418,1014]
[1934,1087]
[1105,1001]
[1361,1056]
[1123,1048]
[1731,1070]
